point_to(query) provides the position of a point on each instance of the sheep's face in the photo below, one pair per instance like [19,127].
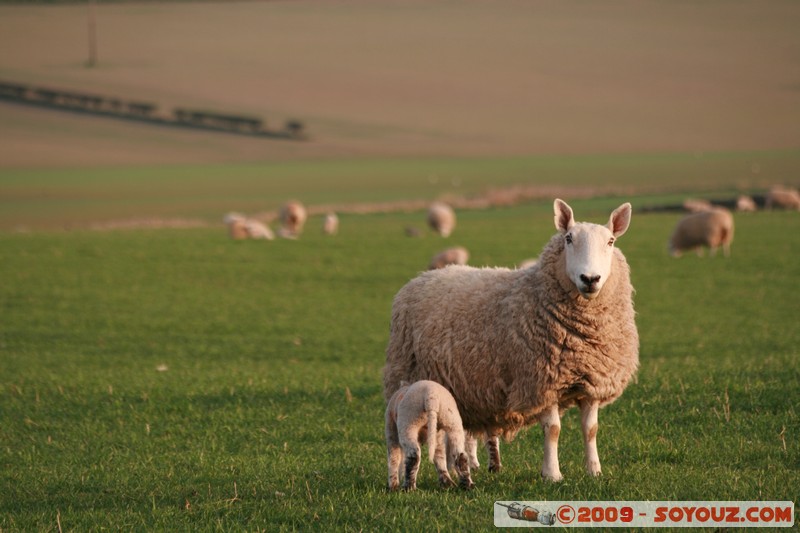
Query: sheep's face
[589,248]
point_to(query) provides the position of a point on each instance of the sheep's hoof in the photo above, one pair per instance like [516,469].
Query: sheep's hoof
[495,467]
[555,478]
[466,484]
[446,482]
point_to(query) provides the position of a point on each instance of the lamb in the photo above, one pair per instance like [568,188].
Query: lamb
[783,198]
[293,217]
[746,204]
[710,229]
[415,411]
[441,218]
[457,255]
[515,347]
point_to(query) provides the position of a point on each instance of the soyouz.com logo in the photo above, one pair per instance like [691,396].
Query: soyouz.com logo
[643,514]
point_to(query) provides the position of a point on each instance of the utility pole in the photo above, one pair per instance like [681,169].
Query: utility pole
[92,36]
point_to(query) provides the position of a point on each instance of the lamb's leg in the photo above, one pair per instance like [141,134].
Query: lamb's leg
[394,458]
[493,449]
[412,467]
[471,447]
[462,468]
[551,425]
[589,410]
[440,460]
[394,453]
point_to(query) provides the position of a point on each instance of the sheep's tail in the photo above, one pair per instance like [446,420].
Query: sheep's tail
[433,421]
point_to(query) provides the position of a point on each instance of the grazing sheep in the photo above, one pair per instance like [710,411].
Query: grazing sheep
[241,227]
[746,203]
[458,255]
[441,218]
[425,408]
[695,205]
[293,217]
[519,346]
[258,230]
[705,229]
[330,224]
[783,198]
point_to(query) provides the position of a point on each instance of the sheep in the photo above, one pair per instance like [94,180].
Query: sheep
[441,218]
[241,227]
[516,347]
[745,203]
[330,224]
[710,229]
[783,198]
[415,411]
[293,217]
[695,205]
[457,255]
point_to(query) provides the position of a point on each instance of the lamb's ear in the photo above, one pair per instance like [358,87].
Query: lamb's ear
[564,219]
[620,219]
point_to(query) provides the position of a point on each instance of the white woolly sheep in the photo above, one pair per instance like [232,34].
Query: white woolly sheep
[746,204]
[441,218]
[425,409]
[516,347]
[705,229]
[293,217]
[241,227]
[258,230]
[457,255]
[783,198]
[330,224]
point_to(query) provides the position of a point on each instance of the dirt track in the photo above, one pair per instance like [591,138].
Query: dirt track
[410,77]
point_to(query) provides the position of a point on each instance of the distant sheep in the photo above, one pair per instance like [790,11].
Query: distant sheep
[441,218]
[425,408]
[516,347]
[783,198]
[241,227]
[458,255]
[695,205]
[706,229]
[293,217]
[330,224]
[746,204]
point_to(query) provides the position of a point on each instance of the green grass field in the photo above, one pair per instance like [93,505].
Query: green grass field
[176,380]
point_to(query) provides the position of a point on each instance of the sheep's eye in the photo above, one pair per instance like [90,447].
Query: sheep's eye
[569,238]
[611,242]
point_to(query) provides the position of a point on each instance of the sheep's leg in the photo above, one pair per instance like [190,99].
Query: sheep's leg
[412,467]
[462,468]
[551,425]
[440,459]
[471,447]
[589,410]
[394,458]
[493,449]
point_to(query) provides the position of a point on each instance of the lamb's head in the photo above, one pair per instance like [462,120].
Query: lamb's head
[589,248]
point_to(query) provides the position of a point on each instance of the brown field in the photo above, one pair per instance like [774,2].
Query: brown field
[409,78]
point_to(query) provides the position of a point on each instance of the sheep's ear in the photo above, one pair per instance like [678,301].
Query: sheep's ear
[620,219]
[564,219]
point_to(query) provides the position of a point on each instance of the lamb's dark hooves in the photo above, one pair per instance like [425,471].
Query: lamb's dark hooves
[495,468]
[446,483]
[467,486]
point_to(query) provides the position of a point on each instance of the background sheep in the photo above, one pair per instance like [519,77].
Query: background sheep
[783,198]
[519,346]
[458,255]
[746,204]
[258,230]
[241,227]
[695,205]
[706,229]
[330,224]
[425,408]
[441,218]
[293,217]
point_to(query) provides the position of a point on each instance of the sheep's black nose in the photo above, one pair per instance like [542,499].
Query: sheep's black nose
[589,280]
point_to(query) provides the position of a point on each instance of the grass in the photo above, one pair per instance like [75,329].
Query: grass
[176,380]
[52,198]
